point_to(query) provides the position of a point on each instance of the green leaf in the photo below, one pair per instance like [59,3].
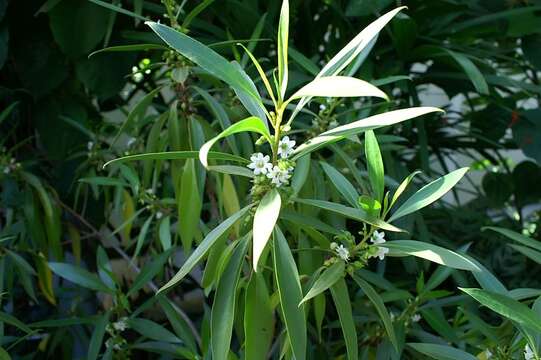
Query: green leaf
[526,251]
[430,252]
[265,218]
[177,155]
[340,296]
[141,237]
[152,330]
[204,247]
[189,205]
[137,112]
[360,45]
[79,276]
[380,308]
[507,307]
[325,280]
[150,270]
[341,184]
[290,294]
[205,57]
[441,352]
[232,170]
[12,320]
[374,164]
[261,72]
[338,86]
[258,319]
[223,308]
[429,193]
[123,48]
[97,337]
[164,233]
[283,35]
[360,126]
[352,213]
[4,354]
[402,187]
[524,240]
[252,124]
[471,70]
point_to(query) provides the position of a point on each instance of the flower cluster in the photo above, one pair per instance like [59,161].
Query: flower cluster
[379,238]
[341,251]
[280,173]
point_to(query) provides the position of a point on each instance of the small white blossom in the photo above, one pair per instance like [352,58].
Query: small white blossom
[379,238]
[260,163]
[89,145]
[136,75]
[279,176]
[121,324]
[7,170]
[528,353]
[159,215]
[488,354]
[131,141]
[342,252]
[285,147]
[416,318]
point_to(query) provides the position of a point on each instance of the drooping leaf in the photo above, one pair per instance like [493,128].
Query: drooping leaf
[338,86]
[176,155]
[189,205]
[513,235]
[148,272]
[152,330]
[252,124]
[265,218]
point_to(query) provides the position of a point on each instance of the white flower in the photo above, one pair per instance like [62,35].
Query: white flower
[379,238]
[260,163]
[89,145]
[528,353]
[285,147]
[342,252]
[416,318]
[279,176]
[159,215]
[121,324]
[131,141]
[488,354]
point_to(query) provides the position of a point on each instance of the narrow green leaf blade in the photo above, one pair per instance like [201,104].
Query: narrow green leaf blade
[283,35]
[340,296]
[338,86]
[223,308]
[430,252]
[375,164]
[429,193]
[325,280]
[79,276]
[341,184]
[441,352]
[513,235]
[265,218]
[258,319]
[290,294]
[204,247]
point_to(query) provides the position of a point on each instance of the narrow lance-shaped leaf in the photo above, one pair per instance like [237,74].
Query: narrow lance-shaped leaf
[258,319]
[441,352]
[340,296]
[338,86]
[252,124]
[402,187]
[380,308]
[341,184]
[360,126]
[283,35]
[325,280]
[203,56]
[79,276]
[204,247]
[507,307]
[430,252]
[375,164]
[176,155]
[97,337]
[352,213]
[471,70]
[513,235]
[360,45]
[429,193]
[223,308]
[189,205]
[290,294]
[265,218]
